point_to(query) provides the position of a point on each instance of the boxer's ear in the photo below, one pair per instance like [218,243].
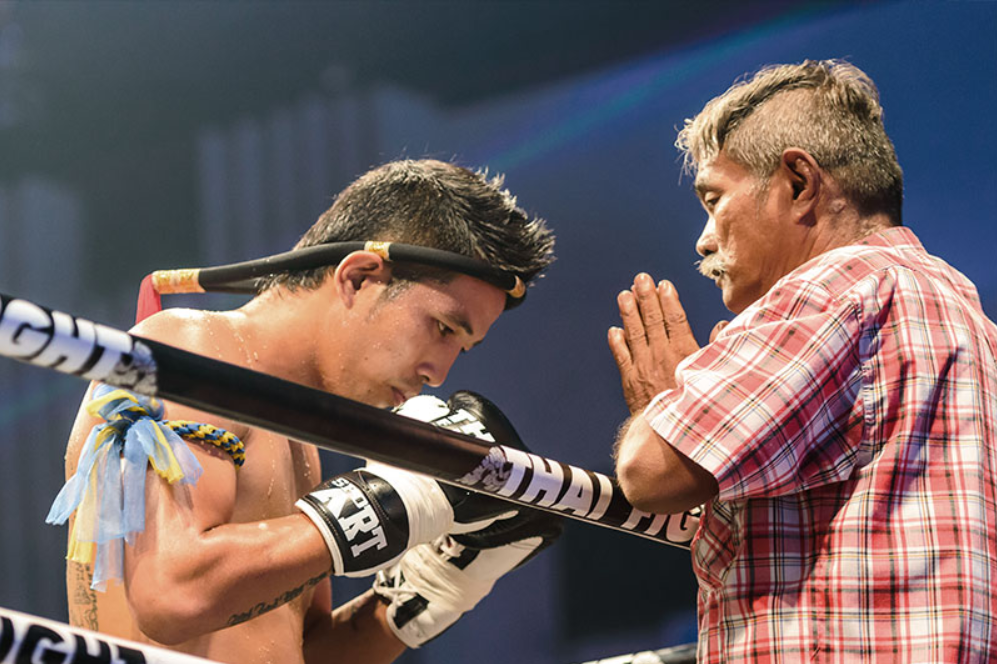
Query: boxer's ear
[358,271]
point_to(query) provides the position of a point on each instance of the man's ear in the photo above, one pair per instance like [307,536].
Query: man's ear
[359,270]
[804,177]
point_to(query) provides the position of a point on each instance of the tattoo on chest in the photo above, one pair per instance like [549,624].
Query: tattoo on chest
[264,607]
[83,599]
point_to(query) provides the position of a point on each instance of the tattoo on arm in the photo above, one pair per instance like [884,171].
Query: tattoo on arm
[264,607]
[83,600]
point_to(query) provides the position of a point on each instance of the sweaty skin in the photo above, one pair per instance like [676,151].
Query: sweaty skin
[277,470]
[230,570]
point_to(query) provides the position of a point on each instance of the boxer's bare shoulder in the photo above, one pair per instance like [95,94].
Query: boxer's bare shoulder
[275,473]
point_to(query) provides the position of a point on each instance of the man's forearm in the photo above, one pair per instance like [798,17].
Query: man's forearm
[355,632]
[222,577]
[654,476]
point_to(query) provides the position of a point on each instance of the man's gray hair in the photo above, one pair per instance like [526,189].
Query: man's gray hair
[829,108]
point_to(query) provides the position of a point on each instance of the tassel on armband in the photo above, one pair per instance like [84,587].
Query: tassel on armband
[107,492]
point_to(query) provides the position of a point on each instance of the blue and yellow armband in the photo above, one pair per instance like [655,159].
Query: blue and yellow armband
[107,492]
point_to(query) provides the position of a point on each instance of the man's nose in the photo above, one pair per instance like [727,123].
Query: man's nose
[707,242]
[435,371]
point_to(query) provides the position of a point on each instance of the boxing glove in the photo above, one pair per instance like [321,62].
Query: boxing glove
[435,583]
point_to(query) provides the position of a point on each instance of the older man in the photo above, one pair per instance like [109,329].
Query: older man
[842,429]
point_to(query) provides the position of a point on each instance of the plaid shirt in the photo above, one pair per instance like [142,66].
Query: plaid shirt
[850,419]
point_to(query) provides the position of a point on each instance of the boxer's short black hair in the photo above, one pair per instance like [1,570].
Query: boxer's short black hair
[432,204]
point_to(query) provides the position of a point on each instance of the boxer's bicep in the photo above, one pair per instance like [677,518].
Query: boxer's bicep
[178,515]
[172,553]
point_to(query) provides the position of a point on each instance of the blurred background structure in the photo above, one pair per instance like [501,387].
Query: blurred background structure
[137,136]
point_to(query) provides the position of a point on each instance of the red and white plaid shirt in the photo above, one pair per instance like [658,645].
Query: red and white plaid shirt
[850,419]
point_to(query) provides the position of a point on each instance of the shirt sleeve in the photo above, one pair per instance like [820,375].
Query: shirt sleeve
[771,407]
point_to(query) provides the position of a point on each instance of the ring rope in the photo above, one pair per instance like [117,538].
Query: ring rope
[683,654]
[28,638]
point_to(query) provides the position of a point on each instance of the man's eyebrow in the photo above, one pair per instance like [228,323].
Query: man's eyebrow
[458,318]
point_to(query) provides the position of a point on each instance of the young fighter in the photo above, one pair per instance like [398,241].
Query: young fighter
[235,567]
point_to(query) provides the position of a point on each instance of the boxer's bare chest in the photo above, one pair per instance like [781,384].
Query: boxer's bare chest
[276,473]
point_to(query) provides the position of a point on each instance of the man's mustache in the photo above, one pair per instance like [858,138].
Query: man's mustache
[712,267]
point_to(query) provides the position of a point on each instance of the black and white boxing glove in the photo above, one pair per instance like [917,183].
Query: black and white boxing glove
[473,415]
[435,583]
[369,517]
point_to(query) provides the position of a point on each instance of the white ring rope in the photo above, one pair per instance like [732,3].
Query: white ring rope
[684,654]
[27,638]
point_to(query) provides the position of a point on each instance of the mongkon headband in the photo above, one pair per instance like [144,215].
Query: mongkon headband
[242,277]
